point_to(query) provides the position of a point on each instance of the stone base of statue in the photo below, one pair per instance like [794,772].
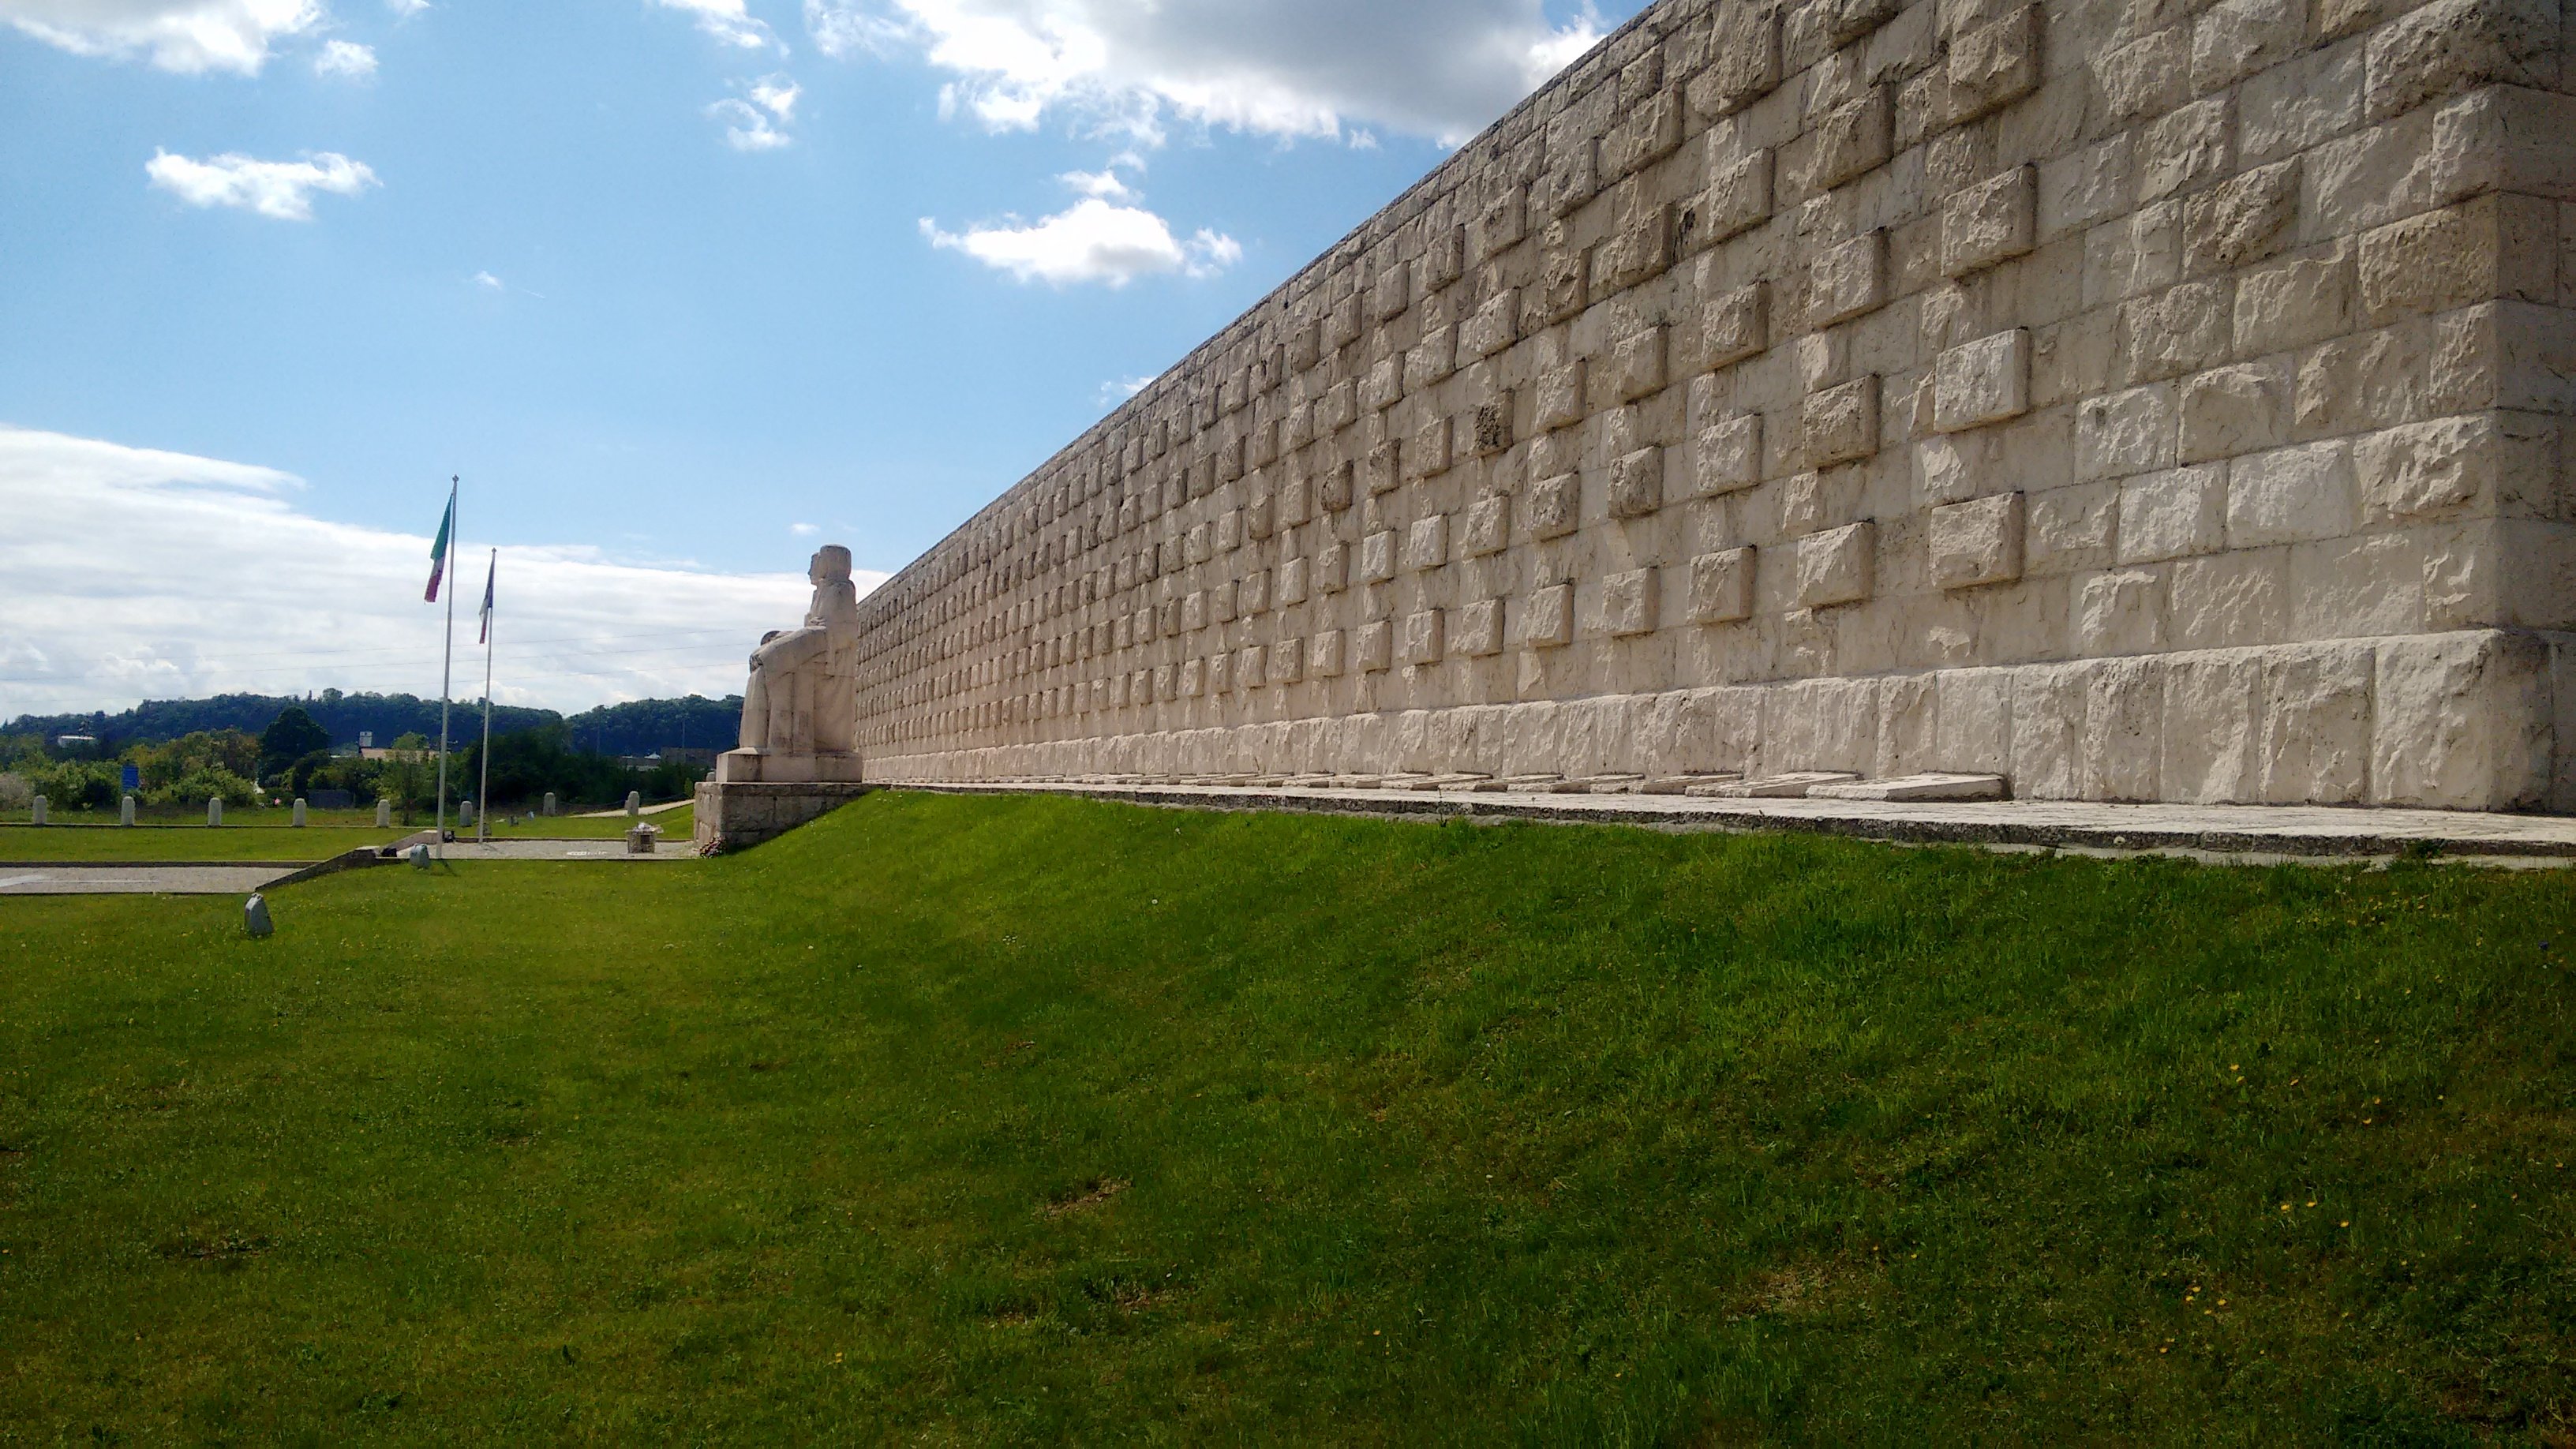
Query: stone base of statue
[737,814]
[781,767]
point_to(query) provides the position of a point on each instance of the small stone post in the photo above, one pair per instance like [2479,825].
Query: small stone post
[255,918]
[550,803]
[40,810]
[634,804]
[465,814]
[384,815]
[299,813]
[214,810]
[125,811]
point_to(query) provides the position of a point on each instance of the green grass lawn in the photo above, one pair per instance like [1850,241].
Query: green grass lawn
[1039,1120]
[266,840]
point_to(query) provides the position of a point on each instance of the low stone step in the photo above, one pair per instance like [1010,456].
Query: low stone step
[1915,787]
[1791,786]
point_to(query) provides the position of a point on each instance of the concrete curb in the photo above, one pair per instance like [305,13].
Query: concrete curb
[2216,830]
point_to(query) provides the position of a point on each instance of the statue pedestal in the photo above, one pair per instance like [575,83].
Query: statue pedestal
[759,795]
[777,767]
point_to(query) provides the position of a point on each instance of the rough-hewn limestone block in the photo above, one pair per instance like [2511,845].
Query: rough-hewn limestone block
[1496,228]
[1488,527]
[1737,200]
[1479,630]
[2461,719]
[1977,542]
[1642,248]
[1852,139]
[1426,543]
[2175,331]
[1721,586]
[1727,457]
[2490,247]
[1734,325]
[1744,61]
[2172,514]
[2482,463]
[1565,282]
[1373,644]
[1377,557]
[1848,280]
[1838,566]
[1324,654]
[1295,585]
[1553,508]
[1628,603]
[1332,568]
[1637,365]
[1637,484]
[1494,424]
[1991,222]
[2210,732]
[1287,661]
[2315,745]
[2452,45]
[1840,424]
[1982,382]
[1560,397]
[1432,359]
[2125,432]
[2244,219]
[2232,410]
[2121,612]
[1547,620]
[1993,65]
[1493,326]
[2292,495]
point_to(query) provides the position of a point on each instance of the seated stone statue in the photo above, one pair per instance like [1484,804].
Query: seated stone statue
[800,710]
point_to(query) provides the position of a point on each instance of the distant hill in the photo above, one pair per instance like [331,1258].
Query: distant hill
[639,727]
[345,716]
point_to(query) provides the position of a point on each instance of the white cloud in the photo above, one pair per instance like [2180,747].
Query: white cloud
[345,59]
[406,9]
[1118,390]
[180,35]
[282,189]
[1290,68]
[1092,242]
[777,95]
[725,20]
[1103,183]
[487,281]
[755,124]
[803,530]
[128,574]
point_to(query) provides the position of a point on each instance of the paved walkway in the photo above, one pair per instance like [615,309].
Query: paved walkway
[138,879]
[2255,831]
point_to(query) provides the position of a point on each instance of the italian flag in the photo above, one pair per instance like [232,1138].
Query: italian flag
[438,550]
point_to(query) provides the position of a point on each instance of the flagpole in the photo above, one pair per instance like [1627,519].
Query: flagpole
[447,673]
[483,791]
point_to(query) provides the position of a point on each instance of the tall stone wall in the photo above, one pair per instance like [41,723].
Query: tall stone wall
[2136,398]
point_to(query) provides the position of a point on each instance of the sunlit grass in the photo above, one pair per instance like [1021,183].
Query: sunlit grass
[1045,1120]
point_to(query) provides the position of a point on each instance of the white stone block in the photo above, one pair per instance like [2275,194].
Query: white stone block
[2315,742]
[2123,725]
[2210,733]
[1377,557]
[1982,382]
[2292,495]
[1324,654]
[1637,484]
[1990,222]
[2126,432]
[1848,280]
[1488,527]
[1552,509]
[1978,542]
[2449,467]
[1721,586]
[1915,787]
[1727,457]
[1738,198]
[1637,365]
[1374,643]
[1629,603]
[2232,410]
[1479,630]
[2073,528]
[1547,620]
[1734,325]
[2173,514]
[1972,720]
[1840,424]
[2121,612]
[2461,722]
[1295,583]
[1426,543]
[1838,566]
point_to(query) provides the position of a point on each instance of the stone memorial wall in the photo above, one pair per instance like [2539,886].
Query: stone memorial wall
[2137,399]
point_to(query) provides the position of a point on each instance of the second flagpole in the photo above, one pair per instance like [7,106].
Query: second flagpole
[447,671]
[483,790]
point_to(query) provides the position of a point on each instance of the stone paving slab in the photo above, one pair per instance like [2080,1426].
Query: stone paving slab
[138,879]
[670,848]
[2235,830]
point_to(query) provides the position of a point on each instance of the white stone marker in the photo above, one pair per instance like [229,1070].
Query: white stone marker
[214,810]
[125,811]
[550,803]
[255,918]
[384,814]
[40,810]
[299,819]
[634,804]
[465,813]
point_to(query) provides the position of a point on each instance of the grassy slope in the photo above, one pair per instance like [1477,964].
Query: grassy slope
[267,841]
[1037,1119]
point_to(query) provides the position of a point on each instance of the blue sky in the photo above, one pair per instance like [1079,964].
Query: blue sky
[664,279]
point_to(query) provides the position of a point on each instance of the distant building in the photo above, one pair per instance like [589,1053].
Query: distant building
[75,742]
